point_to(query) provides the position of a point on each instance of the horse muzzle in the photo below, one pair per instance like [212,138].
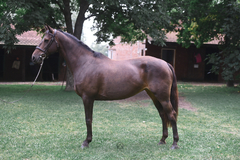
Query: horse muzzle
[38,59]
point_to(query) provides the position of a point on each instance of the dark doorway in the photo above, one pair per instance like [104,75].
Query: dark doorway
[168,56]
[209,76]
[1,63]
[50,68]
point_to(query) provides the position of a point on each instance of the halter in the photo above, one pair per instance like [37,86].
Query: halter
[48,45]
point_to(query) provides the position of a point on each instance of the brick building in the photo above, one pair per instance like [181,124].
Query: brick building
[123,51]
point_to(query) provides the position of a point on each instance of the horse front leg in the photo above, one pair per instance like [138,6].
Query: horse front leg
[88,107]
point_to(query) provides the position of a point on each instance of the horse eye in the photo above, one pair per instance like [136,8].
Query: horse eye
[46,40]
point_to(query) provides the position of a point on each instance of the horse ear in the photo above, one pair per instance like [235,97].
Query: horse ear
[49,28]
[46,28]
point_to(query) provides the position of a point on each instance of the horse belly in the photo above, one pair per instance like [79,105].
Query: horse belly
[121,87]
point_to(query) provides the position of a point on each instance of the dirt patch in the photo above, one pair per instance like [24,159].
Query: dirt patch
[144,96]
[185,105]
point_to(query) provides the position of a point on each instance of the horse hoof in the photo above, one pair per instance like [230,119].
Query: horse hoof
[161,142]
[174,147]
[84,145]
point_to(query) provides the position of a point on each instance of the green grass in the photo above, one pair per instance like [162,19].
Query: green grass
[49,124]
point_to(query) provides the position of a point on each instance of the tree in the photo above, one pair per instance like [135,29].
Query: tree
[131,19]
[200,22]
[228,60]
[204,20]
[20,16]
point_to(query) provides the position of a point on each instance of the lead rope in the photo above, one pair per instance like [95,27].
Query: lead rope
[40,68]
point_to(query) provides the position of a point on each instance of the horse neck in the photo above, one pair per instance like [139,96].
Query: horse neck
[74,54]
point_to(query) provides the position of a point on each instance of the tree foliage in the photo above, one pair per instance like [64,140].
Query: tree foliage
[228,60]
[23,15]
[200,22]
[131,19]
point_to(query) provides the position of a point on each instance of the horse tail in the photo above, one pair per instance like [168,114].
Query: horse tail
[174,94]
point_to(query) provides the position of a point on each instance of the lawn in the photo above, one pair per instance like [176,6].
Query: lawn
[49,123]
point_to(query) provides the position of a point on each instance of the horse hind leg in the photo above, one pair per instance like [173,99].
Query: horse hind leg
[168,116]
[162,115]
[172,117]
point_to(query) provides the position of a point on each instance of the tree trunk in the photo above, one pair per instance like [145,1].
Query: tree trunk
[80,19]
[66,10]
[67,15]
[69,81]
[77,31]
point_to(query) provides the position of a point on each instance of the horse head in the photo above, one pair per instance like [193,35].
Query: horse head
[47,46]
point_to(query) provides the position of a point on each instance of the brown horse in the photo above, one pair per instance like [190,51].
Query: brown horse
[96,77]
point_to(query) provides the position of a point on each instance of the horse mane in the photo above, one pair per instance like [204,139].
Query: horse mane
[79,42]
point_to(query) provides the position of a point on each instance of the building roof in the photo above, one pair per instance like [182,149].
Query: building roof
[172,37]
[30,38]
